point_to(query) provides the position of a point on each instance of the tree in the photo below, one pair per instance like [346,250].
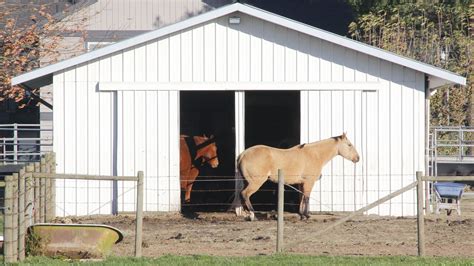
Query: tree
[29,33]
[434,33]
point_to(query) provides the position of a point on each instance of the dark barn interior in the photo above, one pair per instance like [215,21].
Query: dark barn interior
[272,118]
[211,113]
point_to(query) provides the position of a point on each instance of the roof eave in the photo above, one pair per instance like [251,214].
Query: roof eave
[25,77]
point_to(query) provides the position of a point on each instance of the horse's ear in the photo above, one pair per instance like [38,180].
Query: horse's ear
[344,135]
[204,135]
[212,136]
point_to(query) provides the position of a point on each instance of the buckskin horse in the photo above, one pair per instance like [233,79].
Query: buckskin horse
[195,151]
[301,164]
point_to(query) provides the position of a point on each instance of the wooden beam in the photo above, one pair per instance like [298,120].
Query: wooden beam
[85,177]
[368,207]
[420,216]
[448,178]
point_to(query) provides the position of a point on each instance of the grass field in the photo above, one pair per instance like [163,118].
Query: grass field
[261,260]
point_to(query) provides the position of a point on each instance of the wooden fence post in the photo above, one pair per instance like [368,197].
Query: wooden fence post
[53,187]
[15,215]
[281,200]
[8,221]
[36,205]
[21,214]
[420,215]
[29,195]
[47,189]
[50,212]
[42,190]
[139,216]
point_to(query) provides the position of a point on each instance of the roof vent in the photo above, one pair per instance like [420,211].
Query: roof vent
[234,20]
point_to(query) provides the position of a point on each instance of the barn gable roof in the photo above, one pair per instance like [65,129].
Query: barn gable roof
[43,76]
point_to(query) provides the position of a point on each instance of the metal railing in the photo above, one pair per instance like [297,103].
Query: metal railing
[22,143]
[450,144]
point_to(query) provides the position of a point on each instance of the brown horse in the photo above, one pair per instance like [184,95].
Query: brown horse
[301,164]
[195,151]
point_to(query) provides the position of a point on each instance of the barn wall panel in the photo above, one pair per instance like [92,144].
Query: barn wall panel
[81,138]
[93,151]
[58,138]
[70,140]
[348,184]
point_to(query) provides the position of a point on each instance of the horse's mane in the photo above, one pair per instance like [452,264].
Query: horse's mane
[336,138]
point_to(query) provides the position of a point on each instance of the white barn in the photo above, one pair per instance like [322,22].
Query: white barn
[117,109]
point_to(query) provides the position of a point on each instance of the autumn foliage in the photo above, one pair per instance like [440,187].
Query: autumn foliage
[28,34]
[439,34]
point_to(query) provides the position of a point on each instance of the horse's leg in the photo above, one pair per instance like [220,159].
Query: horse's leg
[302,201]
[306,205]
[253,185]
[307,187]
[192,177]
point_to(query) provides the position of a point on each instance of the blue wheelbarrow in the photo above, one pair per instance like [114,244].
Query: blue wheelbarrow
[448,196]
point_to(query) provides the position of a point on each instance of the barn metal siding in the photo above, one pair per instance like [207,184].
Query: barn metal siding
[126,131]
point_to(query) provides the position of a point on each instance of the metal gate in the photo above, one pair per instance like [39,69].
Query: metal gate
[22,143]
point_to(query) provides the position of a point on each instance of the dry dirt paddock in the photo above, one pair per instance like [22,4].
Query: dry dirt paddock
[224,234]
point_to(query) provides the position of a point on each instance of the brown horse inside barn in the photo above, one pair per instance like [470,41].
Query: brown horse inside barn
[301,165]
[195,151]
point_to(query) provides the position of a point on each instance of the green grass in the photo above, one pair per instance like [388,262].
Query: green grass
[260,260]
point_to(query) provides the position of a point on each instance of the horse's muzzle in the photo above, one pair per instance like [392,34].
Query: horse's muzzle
[356,159]
[214,163]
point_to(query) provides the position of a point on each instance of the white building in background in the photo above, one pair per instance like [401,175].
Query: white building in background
[117,109]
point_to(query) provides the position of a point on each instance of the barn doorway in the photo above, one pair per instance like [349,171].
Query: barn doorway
[272,118]
[211,113]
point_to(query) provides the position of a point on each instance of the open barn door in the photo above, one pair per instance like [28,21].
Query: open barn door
[210,113]
[272,118]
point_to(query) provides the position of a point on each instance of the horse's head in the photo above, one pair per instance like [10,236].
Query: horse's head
[208,152]
[346,149]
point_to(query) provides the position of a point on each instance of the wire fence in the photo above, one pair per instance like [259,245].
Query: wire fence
[30,198]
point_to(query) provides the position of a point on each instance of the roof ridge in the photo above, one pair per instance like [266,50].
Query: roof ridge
[252,11]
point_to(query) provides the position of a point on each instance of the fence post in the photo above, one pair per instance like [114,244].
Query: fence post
[15,215]
[36,204]
[139,216]
[21,215]
[281,200]
[53,186]
[47,189]
[29,196]
[8,222]
[15,143]
[42,190]
[420,215]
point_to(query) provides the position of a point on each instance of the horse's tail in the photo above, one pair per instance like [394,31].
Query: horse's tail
[239,186]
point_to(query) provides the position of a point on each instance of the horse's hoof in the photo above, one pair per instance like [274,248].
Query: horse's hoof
[239,211]
[252,217]
[304,217]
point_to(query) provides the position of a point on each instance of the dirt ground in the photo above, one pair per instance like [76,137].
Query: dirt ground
[225,234]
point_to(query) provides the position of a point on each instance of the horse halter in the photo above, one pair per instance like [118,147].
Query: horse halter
[193,149]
